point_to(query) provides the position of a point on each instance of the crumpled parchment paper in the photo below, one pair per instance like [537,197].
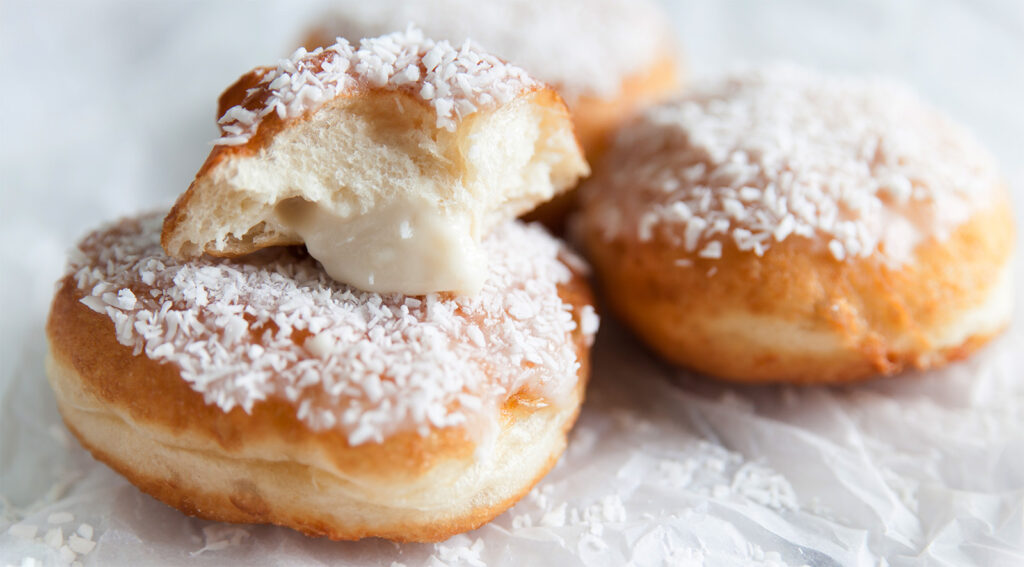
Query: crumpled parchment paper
[108,110]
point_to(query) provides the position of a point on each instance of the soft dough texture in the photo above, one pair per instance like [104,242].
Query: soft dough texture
[780,226]
[390,161]
[306,434]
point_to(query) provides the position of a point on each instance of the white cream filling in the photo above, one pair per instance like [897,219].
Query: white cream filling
[407,246]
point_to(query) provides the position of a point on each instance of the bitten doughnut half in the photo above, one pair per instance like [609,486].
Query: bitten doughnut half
[263,391]
[780,226]
[607,58]
[390,161]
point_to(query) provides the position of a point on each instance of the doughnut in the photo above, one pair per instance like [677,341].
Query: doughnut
[607,58]
[260,390]
[390,161]
[777,225]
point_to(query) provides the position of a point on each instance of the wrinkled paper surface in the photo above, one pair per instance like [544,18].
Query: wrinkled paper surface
[109,110]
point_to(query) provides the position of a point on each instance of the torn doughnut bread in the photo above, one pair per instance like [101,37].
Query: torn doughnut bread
[390,161]
[607,58]
[260,390]
[781,226]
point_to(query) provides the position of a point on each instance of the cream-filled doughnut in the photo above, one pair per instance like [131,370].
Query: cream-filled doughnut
[260,390]
[390,161]
[607,58]
[778,225]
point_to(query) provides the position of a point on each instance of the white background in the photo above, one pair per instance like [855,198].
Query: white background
[107,109]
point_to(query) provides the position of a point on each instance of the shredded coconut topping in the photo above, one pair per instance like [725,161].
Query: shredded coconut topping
[368,364]
[456,82]
[583,47]
[858,166]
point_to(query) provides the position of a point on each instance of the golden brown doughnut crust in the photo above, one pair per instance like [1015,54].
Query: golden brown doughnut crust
[596,118]
[90,372]
[870,319]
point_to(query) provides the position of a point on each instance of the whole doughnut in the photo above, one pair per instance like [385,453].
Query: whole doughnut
[782,226]
[390,159]
[259,390]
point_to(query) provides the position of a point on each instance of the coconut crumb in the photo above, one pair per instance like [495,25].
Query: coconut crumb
[23,531]
[367,364]
[60,518]
[80,545]
[459,551]
[455,81]
[54,538]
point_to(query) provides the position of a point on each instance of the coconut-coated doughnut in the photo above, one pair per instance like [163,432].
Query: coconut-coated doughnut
[607,58]
[782,226]
[390,160]
[260,390]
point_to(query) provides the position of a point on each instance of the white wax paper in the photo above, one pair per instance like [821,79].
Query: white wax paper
[108,110]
